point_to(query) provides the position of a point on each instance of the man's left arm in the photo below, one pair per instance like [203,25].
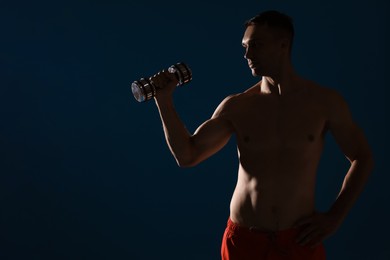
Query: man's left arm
[354,145]
[350,137]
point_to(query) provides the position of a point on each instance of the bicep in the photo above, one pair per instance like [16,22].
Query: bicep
[212,135]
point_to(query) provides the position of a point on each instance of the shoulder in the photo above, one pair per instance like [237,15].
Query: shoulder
[232,103]
[329,97]
[332,102]
[226,105]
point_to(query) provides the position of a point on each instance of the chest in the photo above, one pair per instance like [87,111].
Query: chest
[277,123]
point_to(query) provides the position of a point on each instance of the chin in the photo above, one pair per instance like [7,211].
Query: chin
[256,72]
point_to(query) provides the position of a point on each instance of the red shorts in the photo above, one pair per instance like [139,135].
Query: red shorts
[243,243]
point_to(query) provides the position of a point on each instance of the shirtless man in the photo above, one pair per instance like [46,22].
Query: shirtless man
[280,124]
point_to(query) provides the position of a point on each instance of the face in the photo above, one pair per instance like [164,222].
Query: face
[263,50]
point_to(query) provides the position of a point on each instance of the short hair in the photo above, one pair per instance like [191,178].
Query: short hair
[274,19]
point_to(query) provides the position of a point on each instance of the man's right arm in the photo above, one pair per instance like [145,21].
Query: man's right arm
[188,149]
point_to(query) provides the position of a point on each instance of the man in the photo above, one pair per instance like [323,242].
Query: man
[280,124]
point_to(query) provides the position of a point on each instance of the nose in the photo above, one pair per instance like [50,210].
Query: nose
[248,53]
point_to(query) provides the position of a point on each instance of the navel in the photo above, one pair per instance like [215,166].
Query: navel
[310,137]
[246,139]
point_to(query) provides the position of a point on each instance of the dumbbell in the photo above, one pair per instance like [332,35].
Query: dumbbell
[144,90]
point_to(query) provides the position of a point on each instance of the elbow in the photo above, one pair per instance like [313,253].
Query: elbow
[369,159]
[190,156]
[188,160]
[186,163]
[366,160]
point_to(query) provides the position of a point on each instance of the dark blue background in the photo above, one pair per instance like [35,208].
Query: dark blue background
[85,170]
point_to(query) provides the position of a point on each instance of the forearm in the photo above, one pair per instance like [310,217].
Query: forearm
[177,136]
[353,185]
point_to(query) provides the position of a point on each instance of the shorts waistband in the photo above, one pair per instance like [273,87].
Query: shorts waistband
[238,228]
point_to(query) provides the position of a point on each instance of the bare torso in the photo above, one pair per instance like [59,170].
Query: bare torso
[280,140]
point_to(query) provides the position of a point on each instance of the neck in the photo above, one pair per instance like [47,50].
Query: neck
[281,83]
